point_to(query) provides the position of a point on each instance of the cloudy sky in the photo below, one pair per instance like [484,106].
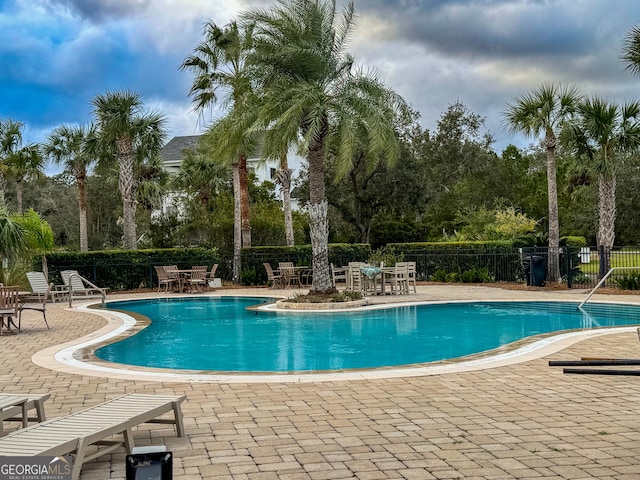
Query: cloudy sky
[56,55]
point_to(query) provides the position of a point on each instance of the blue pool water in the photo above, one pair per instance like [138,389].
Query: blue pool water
[221,334]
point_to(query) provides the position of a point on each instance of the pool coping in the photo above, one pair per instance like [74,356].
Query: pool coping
[72,356]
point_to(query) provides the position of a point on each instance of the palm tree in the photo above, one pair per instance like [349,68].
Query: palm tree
[70,146]
[283,178]
[218,64]
[24,164]
[631,50]
[127,133]
[604,133]
[10,142]
[542,112]
[201,175]
[309,89]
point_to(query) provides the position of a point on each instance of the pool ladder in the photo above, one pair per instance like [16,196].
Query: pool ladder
[604,279]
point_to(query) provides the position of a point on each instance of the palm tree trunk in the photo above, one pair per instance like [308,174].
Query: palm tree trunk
[3,188]
[237,227]
[82,210]
[284,179]
[318,223]
[606,219]
[19,195]
[244,201]
[126,186]
[553,269]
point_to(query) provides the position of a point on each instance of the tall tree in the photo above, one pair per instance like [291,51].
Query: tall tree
[200,175]
[127,133]
[604,133]
[631,50]
[24,164]
[283,178]
[10,142]
[69,146]
[543,111]
[309,89]
[218,64]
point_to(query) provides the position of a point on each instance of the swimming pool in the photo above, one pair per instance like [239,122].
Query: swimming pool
[220,334]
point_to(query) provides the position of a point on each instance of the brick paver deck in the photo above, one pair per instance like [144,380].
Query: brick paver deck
[520,421]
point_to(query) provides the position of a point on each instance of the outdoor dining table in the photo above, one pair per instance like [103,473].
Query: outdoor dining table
[13,401]
[373,273]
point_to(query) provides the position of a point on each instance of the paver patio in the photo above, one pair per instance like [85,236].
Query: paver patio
[520,421]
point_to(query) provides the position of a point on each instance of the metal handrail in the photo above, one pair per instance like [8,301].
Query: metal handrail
[103,294]
[604,279]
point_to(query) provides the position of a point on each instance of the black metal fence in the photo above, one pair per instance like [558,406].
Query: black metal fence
[578,267]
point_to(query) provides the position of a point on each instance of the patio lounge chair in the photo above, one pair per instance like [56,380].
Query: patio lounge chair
[211,276]
[40,287]
[93,426]
[77,286]
[35,402]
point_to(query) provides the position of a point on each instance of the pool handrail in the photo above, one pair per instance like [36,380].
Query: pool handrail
[604,279]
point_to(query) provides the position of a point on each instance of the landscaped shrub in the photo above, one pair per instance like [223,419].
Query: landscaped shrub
[629,281]
[473,275]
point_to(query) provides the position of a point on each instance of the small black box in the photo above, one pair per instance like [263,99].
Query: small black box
[149,465]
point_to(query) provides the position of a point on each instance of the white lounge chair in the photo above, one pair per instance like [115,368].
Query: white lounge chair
[34,402]
[40,286]
[93,426]
[81,288]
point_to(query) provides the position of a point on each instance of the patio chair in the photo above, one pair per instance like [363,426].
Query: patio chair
[355,279]
[275,278]
[289,273]
[397,278]
[41,287]
[163,278]
[411,275]
[35,302]
[8,307]
[93,426]
[339,274]
[173,273]
[198,278]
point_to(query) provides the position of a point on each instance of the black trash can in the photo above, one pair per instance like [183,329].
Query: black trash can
[535,270]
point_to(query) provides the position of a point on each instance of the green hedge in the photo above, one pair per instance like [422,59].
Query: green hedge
[127,269]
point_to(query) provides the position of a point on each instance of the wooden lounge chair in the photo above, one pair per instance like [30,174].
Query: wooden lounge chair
[40,286]
[34,402]
[93,426]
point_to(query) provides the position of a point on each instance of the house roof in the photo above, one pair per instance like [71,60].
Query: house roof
[172,151]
